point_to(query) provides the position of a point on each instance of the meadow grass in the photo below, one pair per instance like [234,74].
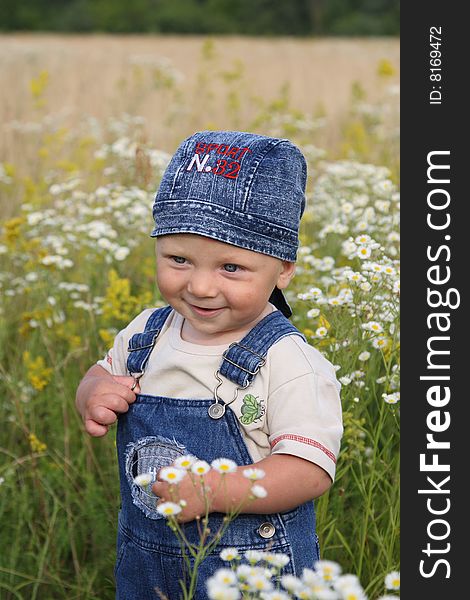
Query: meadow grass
[76,264]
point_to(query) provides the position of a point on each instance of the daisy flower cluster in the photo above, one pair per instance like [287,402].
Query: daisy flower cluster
[351,312]
[265,575]
[74,233]
[193,467]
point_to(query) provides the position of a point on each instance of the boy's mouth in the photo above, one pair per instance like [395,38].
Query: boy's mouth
[204,311]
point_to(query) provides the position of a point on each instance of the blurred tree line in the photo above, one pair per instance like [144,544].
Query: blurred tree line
[251,17]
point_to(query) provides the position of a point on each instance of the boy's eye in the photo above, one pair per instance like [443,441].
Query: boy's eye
[231,268]
[179,259]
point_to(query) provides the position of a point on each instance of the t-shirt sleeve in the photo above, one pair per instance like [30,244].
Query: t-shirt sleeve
[305,419]
[115,361]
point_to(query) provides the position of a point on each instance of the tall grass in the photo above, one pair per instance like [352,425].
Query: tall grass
[76,264]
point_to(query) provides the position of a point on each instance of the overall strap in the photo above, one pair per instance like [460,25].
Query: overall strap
[141,344]
[242,360]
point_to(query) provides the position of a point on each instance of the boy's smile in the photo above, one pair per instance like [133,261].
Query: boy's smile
[221,290]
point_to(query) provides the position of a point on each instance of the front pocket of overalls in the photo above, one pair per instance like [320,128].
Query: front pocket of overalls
[149,455]
[290,514]
[122,542]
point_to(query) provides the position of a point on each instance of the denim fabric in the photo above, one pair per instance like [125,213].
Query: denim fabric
[152,434]
[141,344]
[242,360]
[236,187]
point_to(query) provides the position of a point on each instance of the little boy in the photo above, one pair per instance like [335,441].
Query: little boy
[219,372]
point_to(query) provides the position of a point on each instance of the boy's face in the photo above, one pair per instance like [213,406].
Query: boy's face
[221,290]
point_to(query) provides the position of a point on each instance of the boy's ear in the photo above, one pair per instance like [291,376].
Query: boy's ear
[286,274]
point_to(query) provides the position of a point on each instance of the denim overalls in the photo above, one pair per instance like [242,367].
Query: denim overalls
[154,432]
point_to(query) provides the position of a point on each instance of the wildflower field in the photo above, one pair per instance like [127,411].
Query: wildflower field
[77,263]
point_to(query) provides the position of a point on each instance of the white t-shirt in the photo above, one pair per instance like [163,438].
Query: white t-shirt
[291,407]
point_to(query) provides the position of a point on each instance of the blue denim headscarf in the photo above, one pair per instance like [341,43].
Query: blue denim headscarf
[240,188]
[236,187]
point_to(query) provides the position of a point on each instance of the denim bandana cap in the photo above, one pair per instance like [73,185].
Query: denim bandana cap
[240,188]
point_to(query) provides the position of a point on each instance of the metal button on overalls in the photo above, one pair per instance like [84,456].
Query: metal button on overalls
[267,530]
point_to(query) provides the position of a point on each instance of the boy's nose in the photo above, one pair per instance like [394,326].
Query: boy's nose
[202,285]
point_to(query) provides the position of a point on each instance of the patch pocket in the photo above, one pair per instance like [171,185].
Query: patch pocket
[147,456]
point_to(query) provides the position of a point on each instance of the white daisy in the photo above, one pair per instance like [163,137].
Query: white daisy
[259,583]
[224,465]
[312,578]
[277,559]
[363,252]
[225,577]
[171,474]
[374,326]
[200,467]
[121,253]
[259,491]
[144,479]
[168,509]
[219,591]
[380,342]
[185,462]
[345,581]
[254,556]
[392,580]
[229,554]
[353,593]
[291,583]
[391,398]
[327,569]
[253,474]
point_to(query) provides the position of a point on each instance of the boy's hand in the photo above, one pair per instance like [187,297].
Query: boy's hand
[100,398]
[191,491]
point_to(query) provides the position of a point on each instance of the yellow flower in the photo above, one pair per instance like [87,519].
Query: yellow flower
[38,374]
[12,230]
[35,444]
[385,68]
[107,335]
[323,322]
[38,85]
[118,301]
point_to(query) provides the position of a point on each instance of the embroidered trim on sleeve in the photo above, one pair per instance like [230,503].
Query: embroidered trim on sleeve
[304,440]
[109,359]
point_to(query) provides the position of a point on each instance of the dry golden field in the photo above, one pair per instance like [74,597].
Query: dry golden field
[184,82]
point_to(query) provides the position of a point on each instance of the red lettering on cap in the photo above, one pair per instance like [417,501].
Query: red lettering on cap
[200,148]
[223,148]
[211,147]
[232,152]
[243,151]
